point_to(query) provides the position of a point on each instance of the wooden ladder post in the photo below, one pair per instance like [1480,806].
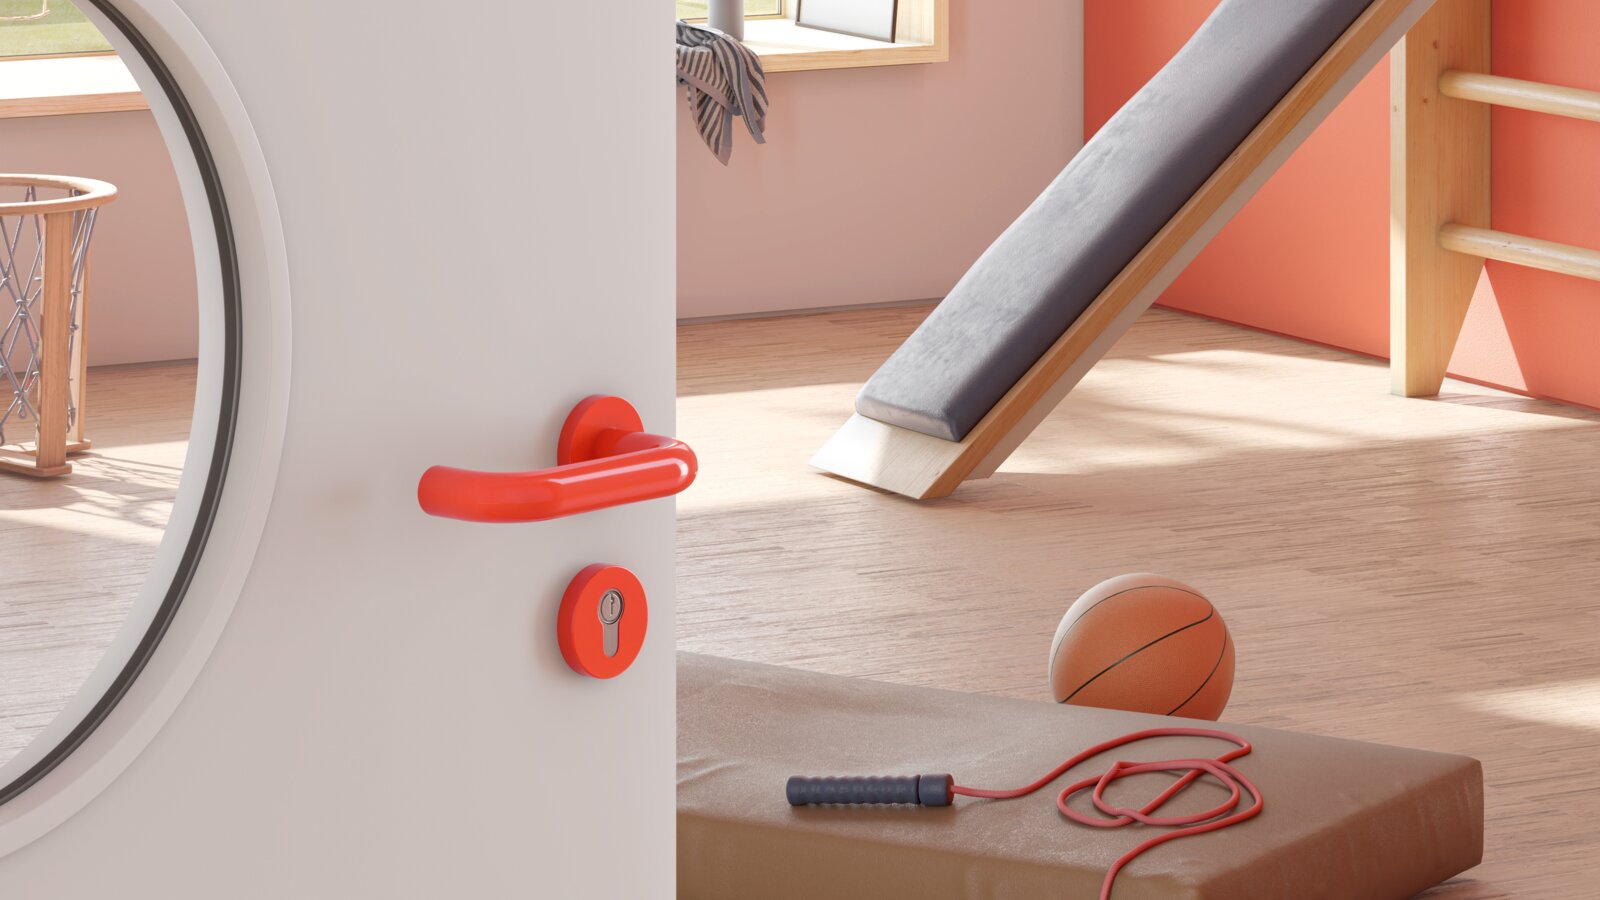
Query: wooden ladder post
[55,361]
[1439,174]
[79,441]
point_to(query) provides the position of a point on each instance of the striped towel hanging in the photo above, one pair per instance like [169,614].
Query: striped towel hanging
[723,79]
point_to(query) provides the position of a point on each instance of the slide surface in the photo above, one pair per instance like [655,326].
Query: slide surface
[1124,185]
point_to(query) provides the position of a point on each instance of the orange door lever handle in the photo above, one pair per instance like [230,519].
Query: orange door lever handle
[604,458]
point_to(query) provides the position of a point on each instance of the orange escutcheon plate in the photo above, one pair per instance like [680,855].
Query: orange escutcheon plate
[602,621]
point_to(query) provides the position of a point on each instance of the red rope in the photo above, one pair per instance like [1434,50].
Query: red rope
[1225,814]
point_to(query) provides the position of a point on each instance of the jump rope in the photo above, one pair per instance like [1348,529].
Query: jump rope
[941,790]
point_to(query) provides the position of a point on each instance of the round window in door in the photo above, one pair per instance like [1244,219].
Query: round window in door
[119,353]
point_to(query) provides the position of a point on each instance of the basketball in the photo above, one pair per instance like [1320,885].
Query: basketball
[1146,644]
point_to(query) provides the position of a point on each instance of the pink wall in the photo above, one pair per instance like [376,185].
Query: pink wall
[1272,268]
[143,298]
[883,184]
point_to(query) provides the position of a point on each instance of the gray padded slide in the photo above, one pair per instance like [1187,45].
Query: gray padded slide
[1122,187]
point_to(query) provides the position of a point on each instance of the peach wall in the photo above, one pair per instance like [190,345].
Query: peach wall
[143,297]
[883,184]
[1272,267]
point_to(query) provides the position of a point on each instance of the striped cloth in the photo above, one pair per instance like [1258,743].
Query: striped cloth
[723,79]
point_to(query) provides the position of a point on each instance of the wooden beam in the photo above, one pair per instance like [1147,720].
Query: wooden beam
[1439,174]
[55,361]
[1534,96]
[916,465]
[1550,256]
[77,442]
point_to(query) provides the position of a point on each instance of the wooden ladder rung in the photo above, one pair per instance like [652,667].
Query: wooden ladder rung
[1523,251]
[1530,95]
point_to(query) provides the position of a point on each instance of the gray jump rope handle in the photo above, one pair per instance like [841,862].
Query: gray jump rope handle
[921,790]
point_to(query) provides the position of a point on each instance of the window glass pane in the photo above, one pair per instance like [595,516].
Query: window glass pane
[696,9]
[41,27]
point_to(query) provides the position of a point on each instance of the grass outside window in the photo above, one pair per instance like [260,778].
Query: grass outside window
[62,28]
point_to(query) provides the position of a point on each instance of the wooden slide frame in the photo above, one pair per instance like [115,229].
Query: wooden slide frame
[916,465]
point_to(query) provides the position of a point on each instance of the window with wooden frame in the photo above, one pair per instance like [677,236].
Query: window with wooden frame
[55,62]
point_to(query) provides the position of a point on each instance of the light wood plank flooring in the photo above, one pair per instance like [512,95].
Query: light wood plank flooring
[1415,572]
[74,551]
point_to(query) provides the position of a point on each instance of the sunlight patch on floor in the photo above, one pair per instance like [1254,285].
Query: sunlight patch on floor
[1167,410]
[97,524]
[1571,704]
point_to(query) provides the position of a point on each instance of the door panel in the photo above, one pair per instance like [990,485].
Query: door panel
[477,207]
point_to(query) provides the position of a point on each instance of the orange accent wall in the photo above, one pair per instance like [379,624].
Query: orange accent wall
[1309,256]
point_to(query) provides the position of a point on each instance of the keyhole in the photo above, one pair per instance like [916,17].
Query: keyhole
[610,614]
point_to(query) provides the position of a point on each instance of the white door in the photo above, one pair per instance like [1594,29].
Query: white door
[453,222]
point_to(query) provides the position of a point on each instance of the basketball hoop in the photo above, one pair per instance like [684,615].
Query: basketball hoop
[45,225]
[44,10]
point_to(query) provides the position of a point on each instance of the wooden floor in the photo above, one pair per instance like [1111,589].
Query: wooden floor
[1413,572]
[74,551]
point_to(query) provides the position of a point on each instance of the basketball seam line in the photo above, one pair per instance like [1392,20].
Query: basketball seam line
[1212,674]
[1139,651]
[1140,587]
[1056,647]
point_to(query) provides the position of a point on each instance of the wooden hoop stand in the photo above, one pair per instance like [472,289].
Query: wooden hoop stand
[59,355]
[1440,96]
